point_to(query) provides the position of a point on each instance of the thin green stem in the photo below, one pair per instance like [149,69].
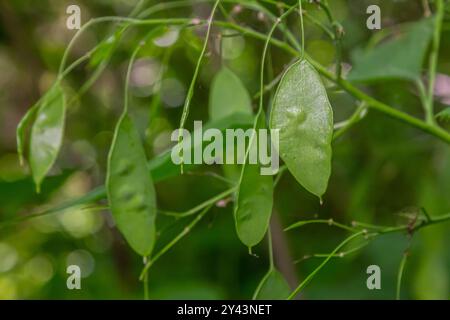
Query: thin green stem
[116,19]
[74,65]
[384,108]
[341,254]
[145,282]
[128,77]
[312,274]
[93,196]
[201,206]
[280,174]
[271,265]
[368,225]
[130,67]
[338,32]
[190,92]
[401,270]
[357,116]
[424,99]
[271,260]
[302,27]
[99,70]
[138,8]
[309,17]
[329,222]
[263,61]
[434,55]
[173,242]
[420,225]
[380,230]
[268,87]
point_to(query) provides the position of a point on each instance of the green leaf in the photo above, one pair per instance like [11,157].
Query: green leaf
[46,133]
[228,96]
[254,201]
[400,58]
[105,49]
[130,189]
[303,114]
[22,130]
[444,115]
[272,287]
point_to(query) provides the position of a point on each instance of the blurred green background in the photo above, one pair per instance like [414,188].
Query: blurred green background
[379,168]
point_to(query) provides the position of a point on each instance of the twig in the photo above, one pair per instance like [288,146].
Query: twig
[190,92]
[401,269]
[329,222]
[174,241]
[201,206]
[312,274]
[434,55]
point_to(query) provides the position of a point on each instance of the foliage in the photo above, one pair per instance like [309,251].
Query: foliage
[156,204]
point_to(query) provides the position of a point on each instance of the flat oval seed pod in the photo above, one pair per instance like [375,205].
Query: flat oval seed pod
[130,189]
[253,206]
[46,133]
[272,287]
[303,114]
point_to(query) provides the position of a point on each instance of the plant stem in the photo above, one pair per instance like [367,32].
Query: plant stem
[424,99]
[341,254]
[329,222]
[128,76]
[401,269]
[269,238]
[190,92]
[357,116]
[174,241]
[420,225]
[302,27]
[312,274]
[117,19]
[201,206]
[382,107]
[145,283]
[338,31]
[434,55]
[380,231]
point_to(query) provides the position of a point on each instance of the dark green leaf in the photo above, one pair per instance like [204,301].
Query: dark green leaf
[400,58]
[254,200]
[130,189]
[303,114]
[46,133]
